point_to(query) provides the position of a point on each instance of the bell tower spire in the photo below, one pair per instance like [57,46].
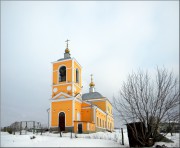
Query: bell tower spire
[91,89]
[67,51]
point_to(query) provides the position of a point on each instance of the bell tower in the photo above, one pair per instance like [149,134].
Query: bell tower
[66,76]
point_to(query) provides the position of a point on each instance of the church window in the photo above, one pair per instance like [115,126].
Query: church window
[78,116]
[100,122]
[97,122]
[77,75]
[62,74]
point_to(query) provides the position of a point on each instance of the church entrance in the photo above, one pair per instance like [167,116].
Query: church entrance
[79,128]
[62,121]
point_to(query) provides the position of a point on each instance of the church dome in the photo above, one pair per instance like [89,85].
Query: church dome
[92,95]
[91,84]
[67,50]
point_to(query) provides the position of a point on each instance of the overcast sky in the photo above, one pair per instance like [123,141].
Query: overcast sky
[109,39]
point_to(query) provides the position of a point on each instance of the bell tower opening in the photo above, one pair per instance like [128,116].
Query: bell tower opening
[62,74]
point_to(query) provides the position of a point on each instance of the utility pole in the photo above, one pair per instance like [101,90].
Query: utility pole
[48,116]
[122,136]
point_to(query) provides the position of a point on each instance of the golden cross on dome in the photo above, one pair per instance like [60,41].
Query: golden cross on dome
[67,42]
[91,77]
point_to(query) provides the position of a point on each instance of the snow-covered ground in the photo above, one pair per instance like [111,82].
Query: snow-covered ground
[174,138]
[99,139]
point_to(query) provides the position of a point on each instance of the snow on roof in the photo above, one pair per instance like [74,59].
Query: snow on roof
[92,95]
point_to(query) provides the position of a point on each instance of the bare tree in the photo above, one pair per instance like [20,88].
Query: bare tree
[150,101]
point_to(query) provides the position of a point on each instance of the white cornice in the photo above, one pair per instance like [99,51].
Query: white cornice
[61,61]
[62,93]
[101,99]
[78,100]
[59,100]
[77,62]
[67,60]
[63,83]
[101,110]
[87,102]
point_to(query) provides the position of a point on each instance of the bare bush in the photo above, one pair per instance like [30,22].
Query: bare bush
[150,101]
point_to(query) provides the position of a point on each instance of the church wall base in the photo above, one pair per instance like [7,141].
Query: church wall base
[100,129]
[67,129]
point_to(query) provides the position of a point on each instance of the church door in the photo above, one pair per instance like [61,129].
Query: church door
[62,121]
[79,128]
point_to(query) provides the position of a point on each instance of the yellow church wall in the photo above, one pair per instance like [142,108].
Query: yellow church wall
[85,104]
[76,66]
[77,89]
[86,126]
[100,118]
[62,88]
[68,77]
[67,63]
[77,110]
[78,84]
[63,106]
[110,123]
[55,77]
[101,104]
[108,107]
[75,127]
[92,127]
[87,114]
[56,66]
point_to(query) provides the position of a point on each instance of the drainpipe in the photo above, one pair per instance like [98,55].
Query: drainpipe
[95,115]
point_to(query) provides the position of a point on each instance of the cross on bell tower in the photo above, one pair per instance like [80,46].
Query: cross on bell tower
[67,51]
[67,42]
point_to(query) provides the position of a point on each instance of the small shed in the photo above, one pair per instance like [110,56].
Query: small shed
[140,129]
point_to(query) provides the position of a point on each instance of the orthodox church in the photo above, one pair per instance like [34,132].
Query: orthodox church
[70,110]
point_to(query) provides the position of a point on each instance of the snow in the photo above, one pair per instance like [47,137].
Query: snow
[99,139]
[174,138]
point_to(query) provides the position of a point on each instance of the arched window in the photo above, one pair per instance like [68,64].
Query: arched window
[62,74]
[77,75]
